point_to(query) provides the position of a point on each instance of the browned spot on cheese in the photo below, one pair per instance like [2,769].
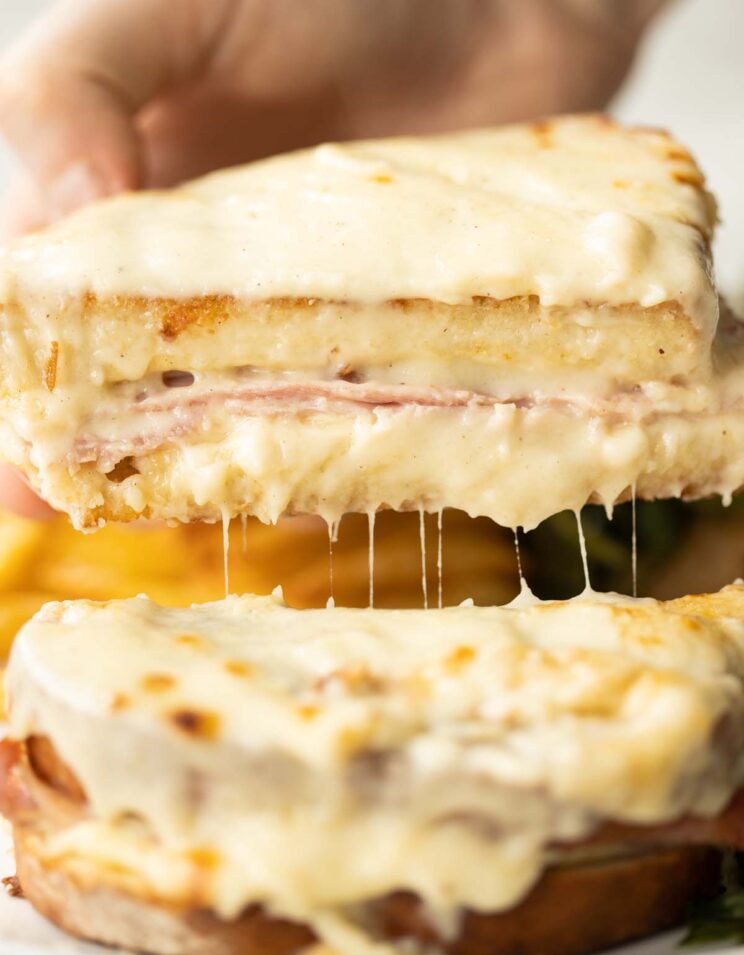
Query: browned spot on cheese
[238,668]
[693,625]
[459,657]
[620,184]
[543,133]
[158,682]
[307,711]
[688,178]
[382,177]
[119,702]
[201,724]
[50,370]
[203,857]
[190,640]
[356,678]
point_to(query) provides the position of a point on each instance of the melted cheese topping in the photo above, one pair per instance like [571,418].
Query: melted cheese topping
[577,210]
[315,760]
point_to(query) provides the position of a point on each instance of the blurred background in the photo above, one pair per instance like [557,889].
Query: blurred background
[689,76]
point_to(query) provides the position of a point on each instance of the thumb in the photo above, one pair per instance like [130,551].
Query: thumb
[71,88]
[75,138]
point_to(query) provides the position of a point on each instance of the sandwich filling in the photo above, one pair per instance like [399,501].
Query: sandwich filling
[188,445]
[312,762]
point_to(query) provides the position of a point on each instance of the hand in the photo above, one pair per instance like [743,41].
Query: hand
[100,97]
[104,96]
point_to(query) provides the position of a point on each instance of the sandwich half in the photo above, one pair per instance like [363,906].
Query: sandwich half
[243,778]
[511,322]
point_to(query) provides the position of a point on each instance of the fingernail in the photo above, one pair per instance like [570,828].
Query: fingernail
[76,186]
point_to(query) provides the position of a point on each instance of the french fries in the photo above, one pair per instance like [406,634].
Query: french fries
[20,542]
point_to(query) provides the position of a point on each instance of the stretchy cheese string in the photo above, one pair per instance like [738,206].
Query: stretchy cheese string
[422,540]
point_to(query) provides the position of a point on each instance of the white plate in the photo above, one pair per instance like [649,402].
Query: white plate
[23,932]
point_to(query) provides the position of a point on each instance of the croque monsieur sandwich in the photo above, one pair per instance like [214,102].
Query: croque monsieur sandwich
[510,321]
[241,778]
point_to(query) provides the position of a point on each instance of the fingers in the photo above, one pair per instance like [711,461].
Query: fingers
[17,496]
[70,90]
[23,208]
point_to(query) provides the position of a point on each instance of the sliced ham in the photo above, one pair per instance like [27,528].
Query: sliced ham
[150,421]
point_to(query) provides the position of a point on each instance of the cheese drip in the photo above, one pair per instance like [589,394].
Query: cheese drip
[422,544]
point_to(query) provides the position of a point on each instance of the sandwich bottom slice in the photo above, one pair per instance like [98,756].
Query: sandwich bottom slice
[241,777]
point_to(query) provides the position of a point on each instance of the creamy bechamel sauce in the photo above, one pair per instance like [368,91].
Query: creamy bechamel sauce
[324,758]
[585,212]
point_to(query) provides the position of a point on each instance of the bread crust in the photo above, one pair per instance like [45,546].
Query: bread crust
[574,910]
[577,909]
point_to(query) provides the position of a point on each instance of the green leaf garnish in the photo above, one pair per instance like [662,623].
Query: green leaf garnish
[720,919]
